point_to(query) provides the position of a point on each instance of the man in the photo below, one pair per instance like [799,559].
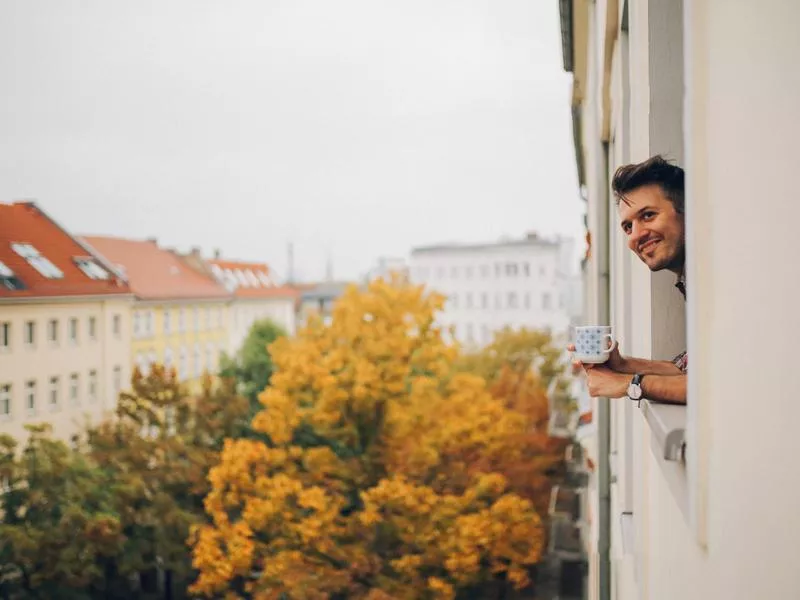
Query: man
[650,202]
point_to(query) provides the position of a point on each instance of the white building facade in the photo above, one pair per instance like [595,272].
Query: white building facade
[512,283]
[699,501]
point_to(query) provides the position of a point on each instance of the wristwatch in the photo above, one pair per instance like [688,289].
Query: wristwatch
[635,387]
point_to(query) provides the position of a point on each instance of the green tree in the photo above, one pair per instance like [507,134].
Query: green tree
[159,449]
[60,522]
[252,366]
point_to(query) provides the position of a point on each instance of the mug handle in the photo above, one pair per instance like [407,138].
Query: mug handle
[610,339]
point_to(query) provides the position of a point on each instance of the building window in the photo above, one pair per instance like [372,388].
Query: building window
[117,382]
[92,386]
[546,301]
[168,358]
[148,322]
[116,326]
[74,399]
[210,357]
[454,272]
[37,261]
[30,397]
[196,319]
[485,335]
[485,271]
[73,331]
[152,358]
[136,323]
[181,320]
[468,272]
[92,328]
[197,360]
[468,300]
[183,368]
[512,299]
[208,317]
[542,271]
[30,333]
[470,333]
[54,393]
[511,269]
[498,269]
[220,318]
[5,402]
[484,300]
[5,335]
[527,300]
[526,269]
[167,321]
[498,301]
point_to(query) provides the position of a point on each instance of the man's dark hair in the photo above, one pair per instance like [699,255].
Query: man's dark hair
[654,171]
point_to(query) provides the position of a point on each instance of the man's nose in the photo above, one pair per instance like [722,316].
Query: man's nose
[638,233]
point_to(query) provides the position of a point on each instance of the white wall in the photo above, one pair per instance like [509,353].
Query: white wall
[725,525]
[245,312]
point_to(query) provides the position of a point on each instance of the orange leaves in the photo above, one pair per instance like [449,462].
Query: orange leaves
[383,474]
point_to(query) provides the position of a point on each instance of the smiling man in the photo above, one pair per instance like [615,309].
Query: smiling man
[650,202]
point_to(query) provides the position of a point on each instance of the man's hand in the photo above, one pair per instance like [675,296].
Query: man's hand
[616,362]
[605,383]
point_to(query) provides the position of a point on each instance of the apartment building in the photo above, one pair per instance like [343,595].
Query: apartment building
[256,295]
[696,501]
[527,282]
[179,317]
[65,338]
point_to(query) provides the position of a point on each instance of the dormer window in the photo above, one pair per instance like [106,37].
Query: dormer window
[37,261]
[8,279]
[90,268]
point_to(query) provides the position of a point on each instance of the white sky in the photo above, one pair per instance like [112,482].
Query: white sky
[354,128]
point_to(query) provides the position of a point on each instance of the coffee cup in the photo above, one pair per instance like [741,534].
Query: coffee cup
[593,343]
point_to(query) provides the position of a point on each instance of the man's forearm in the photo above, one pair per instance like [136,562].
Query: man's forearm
[649,367]
[665,388]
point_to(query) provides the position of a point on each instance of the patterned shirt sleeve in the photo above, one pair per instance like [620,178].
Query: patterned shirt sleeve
[682,362]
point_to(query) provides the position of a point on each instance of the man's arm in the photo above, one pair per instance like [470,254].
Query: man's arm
[644,366]
[603,382]
[665,388]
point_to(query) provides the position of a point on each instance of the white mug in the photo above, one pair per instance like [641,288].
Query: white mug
[593,343]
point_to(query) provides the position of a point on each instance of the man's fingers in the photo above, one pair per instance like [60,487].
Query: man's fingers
[571,347]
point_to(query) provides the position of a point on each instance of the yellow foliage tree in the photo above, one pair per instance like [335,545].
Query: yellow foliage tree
[382,474]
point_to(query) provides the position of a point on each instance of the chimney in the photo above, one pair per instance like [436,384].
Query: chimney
[217,254]
[153,240]
[195,252]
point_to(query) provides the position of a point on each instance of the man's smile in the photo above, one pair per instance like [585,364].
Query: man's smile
[647,246]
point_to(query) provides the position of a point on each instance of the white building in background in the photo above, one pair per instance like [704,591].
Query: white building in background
[697,502]
[526,282]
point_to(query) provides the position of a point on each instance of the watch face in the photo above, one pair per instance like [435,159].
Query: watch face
[634,391]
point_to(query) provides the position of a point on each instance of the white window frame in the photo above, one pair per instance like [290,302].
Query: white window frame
[52,331]
[29,333]
[30,397]
[72,330]
[74,390]
[116,326]
[91,328]
[5,336]
[53,400]
[6,406]
[91,387]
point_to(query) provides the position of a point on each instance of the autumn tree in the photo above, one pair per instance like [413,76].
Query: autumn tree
[380,472]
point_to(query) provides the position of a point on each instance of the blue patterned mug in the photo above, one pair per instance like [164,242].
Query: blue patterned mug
[593,343]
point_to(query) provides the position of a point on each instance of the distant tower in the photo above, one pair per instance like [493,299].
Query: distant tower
[290,265]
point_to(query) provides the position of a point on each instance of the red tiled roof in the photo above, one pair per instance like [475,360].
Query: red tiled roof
[154,273]
[26,223]
[249,279]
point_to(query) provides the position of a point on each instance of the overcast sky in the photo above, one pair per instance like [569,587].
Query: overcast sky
[354,128]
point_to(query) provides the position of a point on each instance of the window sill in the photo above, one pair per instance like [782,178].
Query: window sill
[668,424]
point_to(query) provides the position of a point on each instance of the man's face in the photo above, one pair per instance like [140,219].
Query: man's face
[654,228]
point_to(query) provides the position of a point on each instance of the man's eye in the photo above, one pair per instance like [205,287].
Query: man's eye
[626,228]
[648,215]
